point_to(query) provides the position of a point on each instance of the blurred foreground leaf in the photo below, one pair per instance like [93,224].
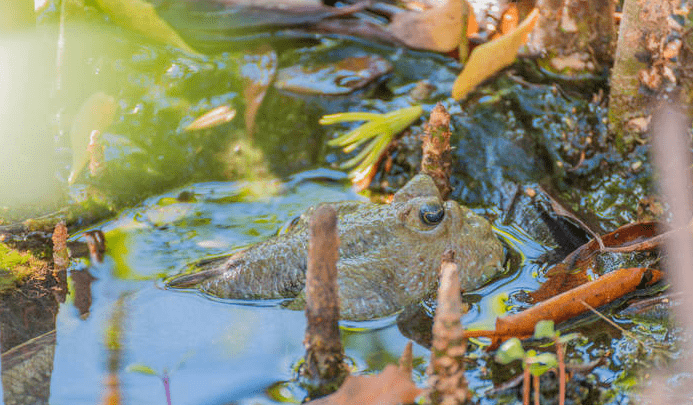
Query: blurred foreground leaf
[489,58]
[140,16]
[392,386]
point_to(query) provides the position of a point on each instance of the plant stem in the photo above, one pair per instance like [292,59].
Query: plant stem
[167,388]
[525,385]
[561,373]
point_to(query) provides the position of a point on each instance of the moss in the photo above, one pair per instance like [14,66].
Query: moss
[16,266]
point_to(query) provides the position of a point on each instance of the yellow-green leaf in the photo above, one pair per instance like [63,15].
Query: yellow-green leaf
[489,58]
[140,16]
[141,369]
[95,114]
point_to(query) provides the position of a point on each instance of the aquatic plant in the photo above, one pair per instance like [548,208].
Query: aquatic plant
[380,129]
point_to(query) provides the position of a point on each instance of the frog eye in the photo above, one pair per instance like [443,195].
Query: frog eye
[431,214]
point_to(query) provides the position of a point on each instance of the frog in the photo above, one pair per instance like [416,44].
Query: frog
[389,255]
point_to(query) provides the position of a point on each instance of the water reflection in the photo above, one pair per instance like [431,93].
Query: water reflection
[134,334]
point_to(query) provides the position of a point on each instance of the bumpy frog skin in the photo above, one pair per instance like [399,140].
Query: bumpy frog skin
[389,255]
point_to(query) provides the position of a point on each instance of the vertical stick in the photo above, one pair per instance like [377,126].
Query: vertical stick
[525,385]
[446,370]
[437,156]
[61,259]
[324,353]
[560,353]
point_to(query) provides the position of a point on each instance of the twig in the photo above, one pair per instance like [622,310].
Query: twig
[446,370]
[61,258]
[560,354]
[437,155]
[525,385]
[324,367]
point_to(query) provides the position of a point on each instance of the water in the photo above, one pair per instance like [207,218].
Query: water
[213,351]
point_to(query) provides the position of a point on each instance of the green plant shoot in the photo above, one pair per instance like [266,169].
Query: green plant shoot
[380,130]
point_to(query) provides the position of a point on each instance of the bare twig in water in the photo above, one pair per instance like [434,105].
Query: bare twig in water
[61,259]
[446,370]
[324,366]
[437,156]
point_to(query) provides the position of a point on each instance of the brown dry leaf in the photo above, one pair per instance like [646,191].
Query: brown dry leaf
[488,59]
[508,21]
[569,304]
[212,118]
[436,29]
[571,271]
[472,24]
[391,387]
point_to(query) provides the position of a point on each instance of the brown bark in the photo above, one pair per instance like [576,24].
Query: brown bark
[647,55]
[324,367]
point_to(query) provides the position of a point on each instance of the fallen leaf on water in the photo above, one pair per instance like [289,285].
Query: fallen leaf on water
[140,16]
[489,58]
[213,118]
[571,272]
[95,114]
[391,387]
[569,304]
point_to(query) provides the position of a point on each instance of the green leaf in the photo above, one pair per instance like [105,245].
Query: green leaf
[141,369]
[539,364]
[544,329]
[140,16]
[510,351]
[347,116]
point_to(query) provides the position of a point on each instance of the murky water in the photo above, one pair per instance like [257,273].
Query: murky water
[215,351]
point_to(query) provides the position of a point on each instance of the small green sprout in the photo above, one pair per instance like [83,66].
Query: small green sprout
[381,128]
[146,370]
[537,363]
[545,329]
